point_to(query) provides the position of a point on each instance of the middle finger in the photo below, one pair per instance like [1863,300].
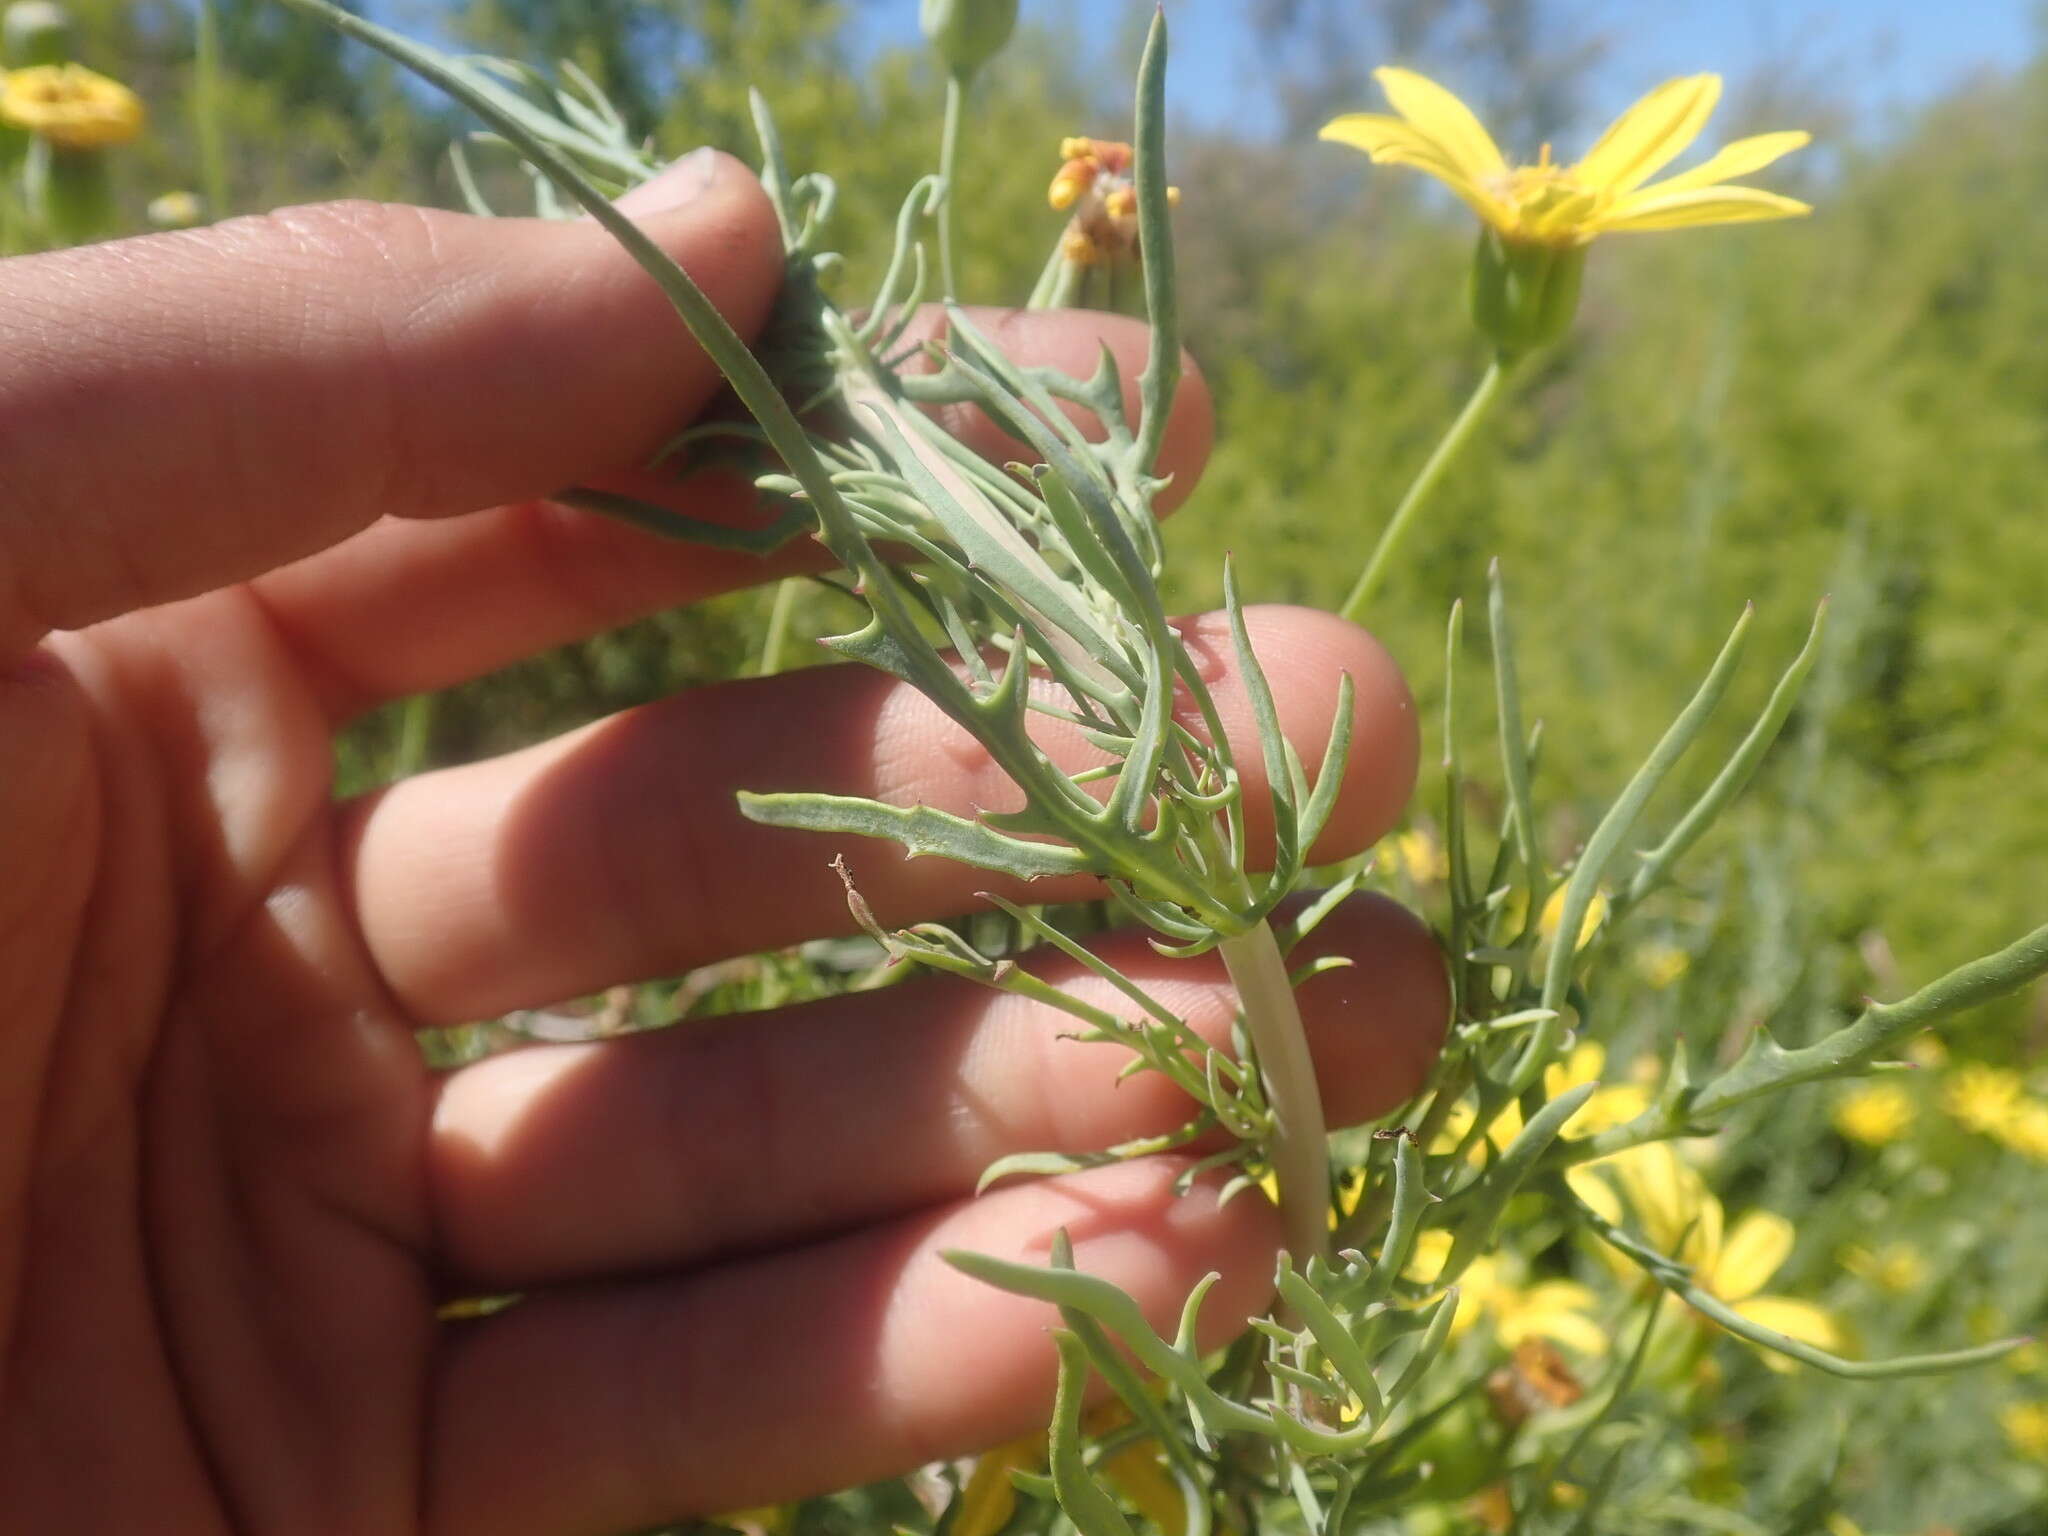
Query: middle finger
[618,852]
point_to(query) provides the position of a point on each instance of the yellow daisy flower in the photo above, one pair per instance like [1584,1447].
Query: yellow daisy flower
[1609,191]
[1875,1114]
[1895,1268]
[1417,856]
[1678,1215]
[1661,965]
[1983,1097]
[2026,1427]
[2026,1131]
[1136,1471]
[70,106]
[1612,1104]
[1562,1311]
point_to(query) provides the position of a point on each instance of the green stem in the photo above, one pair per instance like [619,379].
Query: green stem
[1425,484]
[1299,1150]
[1378,1203]
[779,612]
[415,732]
[949,157]
[207,106]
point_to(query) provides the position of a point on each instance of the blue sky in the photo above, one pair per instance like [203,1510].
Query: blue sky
[1882,56]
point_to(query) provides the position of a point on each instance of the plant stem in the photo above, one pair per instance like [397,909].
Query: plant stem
[779,611]
[1425,483]
[206,113]
[415,731]
[1299,1150]
[949,156]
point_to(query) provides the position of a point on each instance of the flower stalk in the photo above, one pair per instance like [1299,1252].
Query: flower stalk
[947,192]
[1454,441]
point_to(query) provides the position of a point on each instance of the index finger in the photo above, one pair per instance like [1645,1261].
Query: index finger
[409,607]
[179,412]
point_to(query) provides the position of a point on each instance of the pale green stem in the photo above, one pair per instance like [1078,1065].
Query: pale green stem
[779,612]
[415,727]
[949,157]
[1299,1149]
[207,105]
[1425,484]
[1050,278]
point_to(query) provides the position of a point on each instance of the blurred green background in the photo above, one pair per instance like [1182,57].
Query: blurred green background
[1853,405]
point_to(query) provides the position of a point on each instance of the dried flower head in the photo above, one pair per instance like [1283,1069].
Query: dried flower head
[1095,181]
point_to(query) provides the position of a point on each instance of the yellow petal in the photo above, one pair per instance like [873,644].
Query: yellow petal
[1426,1258]
[1574,1330]
[1503,1130]
[1564,213]
[1390,141]
[1477,1287]
[1583,1065]
[1670,1201]
[1650,134]
[1755,1250]
[1733,160]
[1547,1296]
[1557,1309]
[1441,116]
[1706,205]
[1800,1320]
[1595,1192]
[1612,1105]
[1136,1473]
[990,1498]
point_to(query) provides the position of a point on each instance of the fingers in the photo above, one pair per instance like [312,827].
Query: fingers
[407,607]
[1051,338]
[565,1161]
[182,411]
[619,852]
[620,1407]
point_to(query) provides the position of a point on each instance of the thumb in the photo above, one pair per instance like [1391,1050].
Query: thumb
[182,411]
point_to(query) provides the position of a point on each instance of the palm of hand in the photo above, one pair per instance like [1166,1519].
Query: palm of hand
[224,1268]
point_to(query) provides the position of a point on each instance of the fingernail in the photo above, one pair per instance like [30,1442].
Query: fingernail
[679,182]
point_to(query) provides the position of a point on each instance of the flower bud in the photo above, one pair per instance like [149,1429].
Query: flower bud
[1524,295]
[967,33]
[176,210]
[35,32]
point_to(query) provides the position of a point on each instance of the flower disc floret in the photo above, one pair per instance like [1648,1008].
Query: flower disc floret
[1095,181]
[70,106]
[1555,206]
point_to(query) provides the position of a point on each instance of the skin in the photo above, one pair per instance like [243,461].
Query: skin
[239,471]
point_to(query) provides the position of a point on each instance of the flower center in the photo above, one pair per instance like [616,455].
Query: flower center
[1551,205]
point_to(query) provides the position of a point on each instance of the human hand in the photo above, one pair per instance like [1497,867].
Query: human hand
[238,469]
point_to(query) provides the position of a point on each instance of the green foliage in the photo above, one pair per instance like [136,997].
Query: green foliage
[1849,406]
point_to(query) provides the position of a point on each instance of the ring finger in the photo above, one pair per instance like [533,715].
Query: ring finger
[703,1141]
